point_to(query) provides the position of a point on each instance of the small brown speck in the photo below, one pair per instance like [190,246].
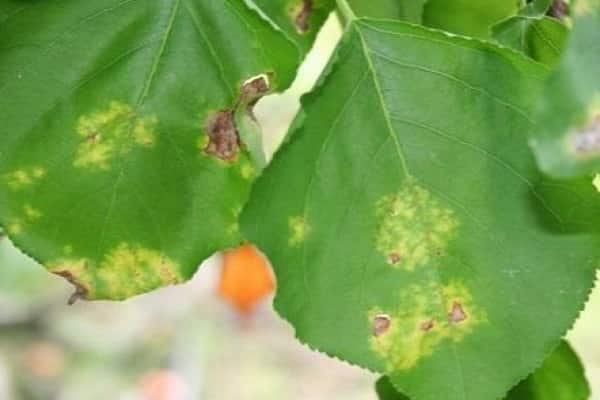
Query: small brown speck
[394,258]
[457,314]
[427,325]
[381,324]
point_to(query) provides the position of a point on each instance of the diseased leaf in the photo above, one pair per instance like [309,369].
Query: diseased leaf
[468,17]
[566,138]
[532,32]
[121,166]
[403,223]
[300,19]
[560,377]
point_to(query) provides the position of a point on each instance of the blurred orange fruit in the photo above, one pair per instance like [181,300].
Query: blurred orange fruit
[246,278]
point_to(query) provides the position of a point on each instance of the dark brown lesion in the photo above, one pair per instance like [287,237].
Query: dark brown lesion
[381,324]
[254,89]
[81,291]
[457,314]
[224,140]
[223,136]
[302,16]
[559,10]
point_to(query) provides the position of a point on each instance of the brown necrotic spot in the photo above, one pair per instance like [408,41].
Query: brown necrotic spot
[302,14]
[587,139]
[253,89]
[223,137]
[80,290]
[394,258]
[427,325]
[381,324]
[457,313]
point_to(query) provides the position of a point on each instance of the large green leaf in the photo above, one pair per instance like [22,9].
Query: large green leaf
[468,17]
[120,164]
[402,218]
[532,32]
[566,138]
[560,377]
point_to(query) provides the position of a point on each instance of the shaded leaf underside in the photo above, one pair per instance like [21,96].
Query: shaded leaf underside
[120,167]
[403,222]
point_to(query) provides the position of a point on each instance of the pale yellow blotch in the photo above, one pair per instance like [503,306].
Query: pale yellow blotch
[132,269]
[15,227]
[585,7]
[423,322]
[247,170]
[299,229]
[203,142]
[31,214]
[21,178]
[143,131]
[234,228]
[596,182]
[414,226]
[108,133]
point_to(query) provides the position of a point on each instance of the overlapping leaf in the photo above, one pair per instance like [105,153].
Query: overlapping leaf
[468,17]
[560,377]
[403,221]
[533,32]
[566,138]
[120,163]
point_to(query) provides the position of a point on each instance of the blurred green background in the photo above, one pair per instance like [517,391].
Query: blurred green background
[185,342]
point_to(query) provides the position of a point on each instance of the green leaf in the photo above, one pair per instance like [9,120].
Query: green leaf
[386,391]
[406,10]
[468,17]
[300,19]
[532,32]
[120,167]
[403,223]
[566,138]
[560,377]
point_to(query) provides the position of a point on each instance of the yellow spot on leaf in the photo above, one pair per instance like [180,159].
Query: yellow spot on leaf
[247,170]
[596,182]
[31,214]
[111,132]
[413,227]
[125,271]
[427,317]
[298,230]
[21,178]
[15,227]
